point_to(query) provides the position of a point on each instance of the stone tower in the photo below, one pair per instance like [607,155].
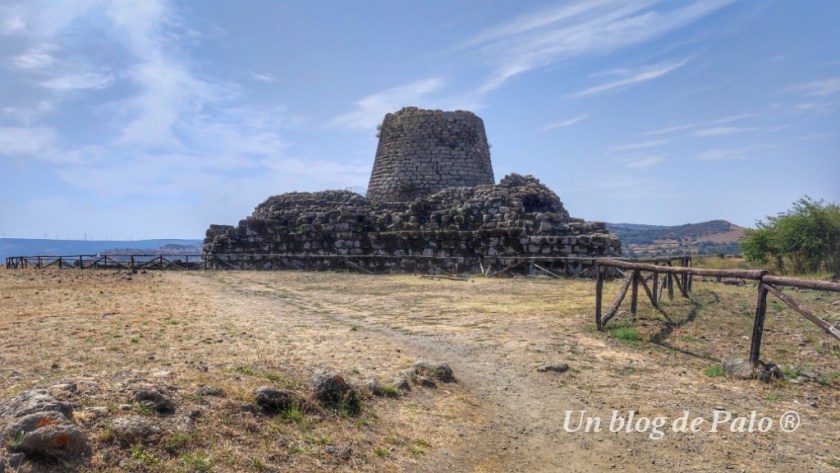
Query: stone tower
[421,152]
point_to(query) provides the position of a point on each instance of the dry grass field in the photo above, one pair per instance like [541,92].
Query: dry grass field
[111,332]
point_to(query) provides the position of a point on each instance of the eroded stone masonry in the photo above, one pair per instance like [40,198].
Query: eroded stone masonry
[431,195]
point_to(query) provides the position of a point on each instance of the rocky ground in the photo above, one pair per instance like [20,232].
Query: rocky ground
[288,371]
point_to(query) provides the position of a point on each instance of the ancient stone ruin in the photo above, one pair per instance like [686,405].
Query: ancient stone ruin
[431,203]
[421,152]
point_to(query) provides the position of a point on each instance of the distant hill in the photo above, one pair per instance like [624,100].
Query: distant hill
[37,247]
[712,237]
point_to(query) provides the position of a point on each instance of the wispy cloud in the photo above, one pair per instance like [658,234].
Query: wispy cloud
[370,109]
[26,141]
[739,153]
[33,60]
[78,81]
[170,124]
[640,145]
[259,77]
[630,78]
[11,21]
[542,38]
[643,162]
[564,123]
[819,88]
[722,131]
[814,106]
[708,124]
[669,130]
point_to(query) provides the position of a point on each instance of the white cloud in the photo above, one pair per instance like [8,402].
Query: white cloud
[29,142]
[12,22]
[27,115]
[370,110]
[820,88]
[669,130]
[744,152]
[78,81]
[814,106]
[644,162]
[262,77]
[540,39]
[721,131]
[33,60]
[565,123]
[630,78]
[733,118]
[709,124]
[641,145]
[173,129]
[721,154]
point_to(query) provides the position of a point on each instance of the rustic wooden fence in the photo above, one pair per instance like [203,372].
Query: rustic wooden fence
[130,262]
[638,273]
[490,266]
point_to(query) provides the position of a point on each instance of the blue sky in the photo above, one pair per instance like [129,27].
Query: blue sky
[155,118]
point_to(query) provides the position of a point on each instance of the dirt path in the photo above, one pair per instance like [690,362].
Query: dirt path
[525,407]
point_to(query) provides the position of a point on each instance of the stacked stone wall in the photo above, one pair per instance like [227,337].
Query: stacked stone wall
[518,217]
[421,152]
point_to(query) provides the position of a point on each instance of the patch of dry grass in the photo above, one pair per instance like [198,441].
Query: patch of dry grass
[107,330]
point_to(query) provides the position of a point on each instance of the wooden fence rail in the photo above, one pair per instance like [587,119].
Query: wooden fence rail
[681,277]
[491,266]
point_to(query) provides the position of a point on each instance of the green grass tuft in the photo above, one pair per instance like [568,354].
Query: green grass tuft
[625,334]
[715,371]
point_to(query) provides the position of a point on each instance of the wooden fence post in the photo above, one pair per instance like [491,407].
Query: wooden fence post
[758,326]
[599,291]
[656,286]
[634,295]
[670,280]
[690,276]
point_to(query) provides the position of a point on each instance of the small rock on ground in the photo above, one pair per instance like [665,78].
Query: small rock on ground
[154,400]
[273,399]
[373,386]
[426,382]
[16,459]
[434,369]
[331,389]
[135,429]
[741,368]
[558,367]
[344,453]
[401,383]
[214,391]
[737,368]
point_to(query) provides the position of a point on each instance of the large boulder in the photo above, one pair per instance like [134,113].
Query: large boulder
[45,434]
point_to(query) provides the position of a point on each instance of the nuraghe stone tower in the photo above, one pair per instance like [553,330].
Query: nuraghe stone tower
[432,203]
[421,152]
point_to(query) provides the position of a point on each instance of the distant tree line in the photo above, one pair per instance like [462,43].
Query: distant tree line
[804,239]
